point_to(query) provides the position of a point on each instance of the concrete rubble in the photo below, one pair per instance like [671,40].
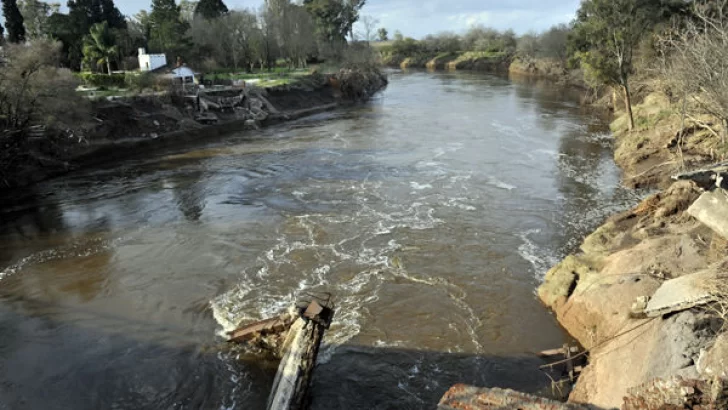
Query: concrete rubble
[712,210]
[463,397]
[683,293]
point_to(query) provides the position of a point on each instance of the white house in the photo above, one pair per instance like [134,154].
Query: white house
[151,62]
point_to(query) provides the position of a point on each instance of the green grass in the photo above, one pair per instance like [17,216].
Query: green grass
[104,93]
[276,73]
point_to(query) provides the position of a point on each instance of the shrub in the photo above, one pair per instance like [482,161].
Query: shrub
[139,81]
[103,80]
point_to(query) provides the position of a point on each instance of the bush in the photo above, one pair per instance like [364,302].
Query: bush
[103,80]
[139,81]
[35,91]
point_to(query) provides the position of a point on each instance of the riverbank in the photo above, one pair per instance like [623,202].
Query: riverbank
[127,127]
[596,293]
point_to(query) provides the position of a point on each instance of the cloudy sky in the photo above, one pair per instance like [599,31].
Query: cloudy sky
[416,18]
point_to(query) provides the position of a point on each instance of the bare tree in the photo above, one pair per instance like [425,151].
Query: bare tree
[369,28]
[696,62]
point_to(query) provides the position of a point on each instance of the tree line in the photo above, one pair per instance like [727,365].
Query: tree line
[96,36]
[683,42]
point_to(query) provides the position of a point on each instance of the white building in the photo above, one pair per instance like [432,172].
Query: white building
[151,62]
[184,75]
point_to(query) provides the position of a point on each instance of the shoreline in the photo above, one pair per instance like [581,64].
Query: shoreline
[595,292]
[278,105]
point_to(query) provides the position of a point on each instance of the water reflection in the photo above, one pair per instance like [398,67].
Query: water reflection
[430,214]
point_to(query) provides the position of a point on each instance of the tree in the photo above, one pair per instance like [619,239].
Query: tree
[210,9]
[13,21]
[528,46]
[369,25]
[35,17]
[610,31]
[167,30]
[383,34]
[398,36]
[553,43]
[334,18]
[34,90]
[695,63]
[111,15]
[99,46]
[187,10]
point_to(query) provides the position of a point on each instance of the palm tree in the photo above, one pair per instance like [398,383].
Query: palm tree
[99,45]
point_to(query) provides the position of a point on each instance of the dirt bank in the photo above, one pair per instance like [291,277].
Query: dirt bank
[596,293]
[476,61]
[126,127]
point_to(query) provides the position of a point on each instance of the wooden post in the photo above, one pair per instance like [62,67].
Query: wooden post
[300,350]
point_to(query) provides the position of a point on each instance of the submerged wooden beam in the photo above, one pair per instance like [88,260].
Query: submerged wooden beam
[290,387]
[302,333]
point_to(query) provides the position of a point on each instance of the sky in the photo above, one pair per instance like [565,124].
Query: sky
[417,18]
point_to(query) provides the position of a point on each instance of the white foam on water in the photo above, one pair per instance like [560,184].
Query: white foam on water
[500,184]
[78,249]
[539,258]
[420,187]
[266,289]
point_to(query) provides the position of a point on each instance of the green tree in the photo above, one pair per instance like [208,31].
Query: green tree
[99,46]
[71,28]
[13,21]
[166,28]
[187,10]
[210,9]
[610,31]
[383,34]
[111,15]
[334,18]
[35,17]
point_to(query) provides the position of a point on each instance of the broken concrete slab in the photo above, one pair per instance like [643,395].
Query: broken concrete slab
[683,293]
[462,396]
[712,210]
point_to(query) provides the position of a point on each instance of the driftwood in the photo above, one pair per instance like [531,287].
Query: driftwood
[295,337]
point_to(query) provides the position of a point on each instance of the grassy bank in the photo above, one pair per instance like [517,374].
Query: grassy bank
[464,60]
[134,124]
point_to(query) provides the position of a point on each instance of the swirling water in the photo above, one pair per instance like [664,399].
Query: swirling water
[430,213]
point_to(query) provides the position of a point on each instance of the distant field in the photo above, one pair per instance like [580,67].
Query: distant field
[378,45]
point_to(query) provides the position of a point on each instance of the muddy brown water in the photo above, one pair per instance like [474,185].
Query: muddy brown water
[431,213]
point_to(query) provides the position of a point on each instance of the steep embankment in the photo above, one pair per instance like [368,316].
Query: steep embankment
[471,60]
[596,292]
[127,127]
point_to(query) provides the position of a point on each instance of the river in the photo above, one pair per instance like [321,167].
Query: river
[431,213]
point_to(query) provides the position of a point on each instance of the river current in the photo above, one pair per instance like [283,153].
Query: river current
[431,214]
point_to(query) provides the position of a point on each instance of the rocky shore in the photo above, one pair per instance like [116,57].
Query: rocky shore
[600,293]
[127,127]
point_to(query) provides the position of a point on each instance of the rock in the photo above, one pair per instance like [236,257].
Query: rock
[639,305]
[676,393]
[644,350]
[251,125]
[461,396]
[256,104]
[713,361]
[683,293]
[712,210]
